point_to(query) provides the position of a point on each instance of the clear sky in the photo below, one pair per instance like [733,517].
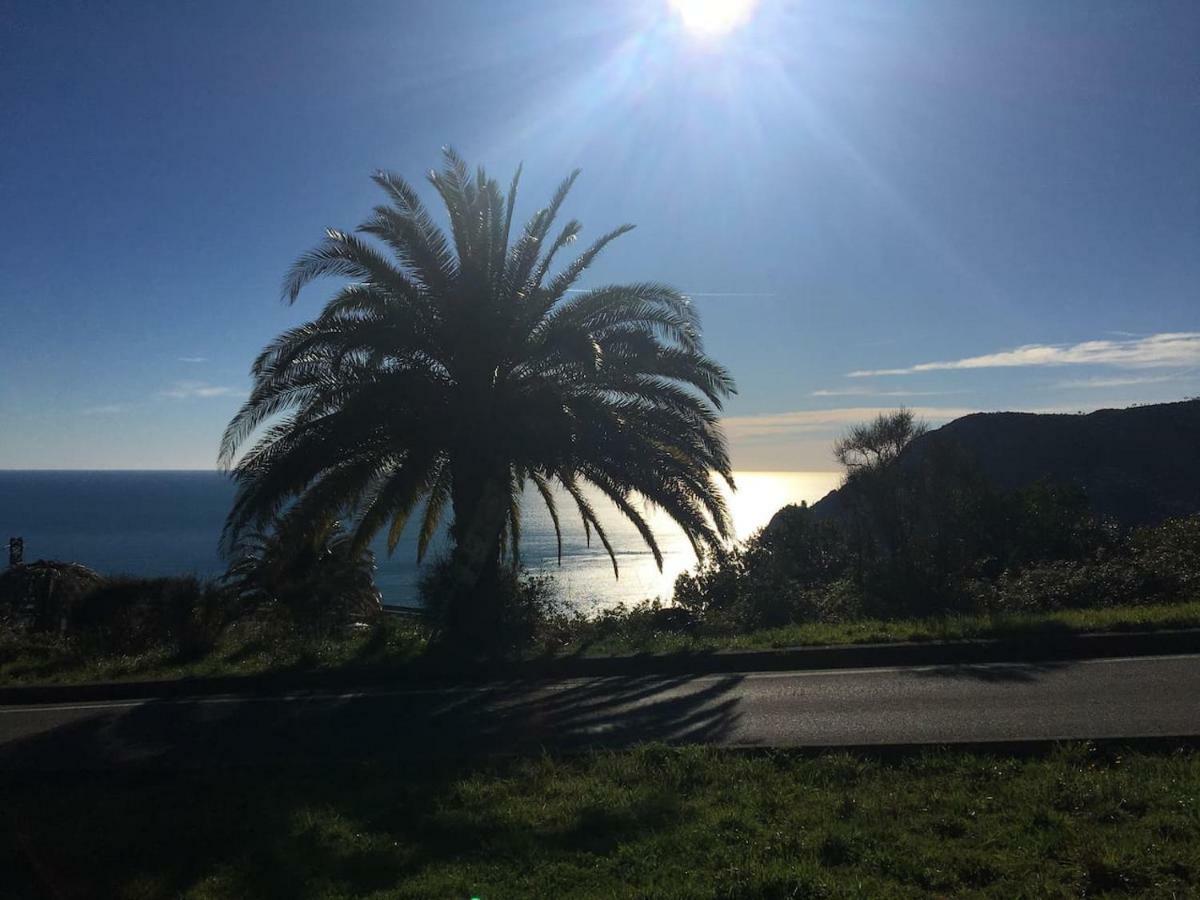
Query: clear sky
[952,205]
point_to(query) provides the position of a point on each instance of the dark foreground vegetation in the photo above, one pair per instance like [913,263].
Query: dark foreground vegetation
[920,548]
[252,647]
[930,534]
[269,618]
[652,822]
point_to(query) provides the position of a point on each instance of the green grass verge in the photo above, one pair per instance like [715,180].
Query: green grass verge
[871,631]
[652,822]
[245,650]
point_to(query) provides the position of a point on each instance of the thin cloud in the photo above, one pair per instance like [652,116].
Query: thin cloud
[106,409]
[189,390]
[1155,351]
[773,426]
[740,294]
[867,392]
[193,359]
[807,421]
[1120,382]
[728,293]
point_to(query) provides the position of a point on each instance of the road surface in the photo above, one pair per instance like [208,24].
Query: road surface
[1111,698]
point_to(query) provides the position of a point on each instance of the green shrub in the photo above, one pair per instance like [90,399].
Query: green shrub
[1172,552]
[630,625]
[44,595]
[127,615]
[525,611]
[318,581]
[953,548]
[1154,564]
[782,574]
[1070,584]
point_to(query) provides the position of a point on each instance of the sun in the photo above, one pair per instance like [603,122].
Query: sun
[712,18]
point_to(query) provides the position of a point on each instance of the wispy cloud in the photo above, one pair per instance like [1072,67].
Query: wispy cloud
[745,295]
[193,359]
[1154,351]
[1120,381]
[808,421]
[188,390]
[868,392]
[106,409]
[775,426]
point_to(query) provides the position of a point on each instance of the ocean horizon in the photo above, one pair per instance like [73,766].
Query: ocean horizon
[153,522]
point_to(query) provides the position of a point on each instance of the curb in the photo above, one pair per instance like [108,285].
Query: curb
[1027,648]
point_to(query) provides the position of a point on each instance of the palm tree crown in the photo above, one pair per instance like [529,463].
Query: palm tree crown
[457,366]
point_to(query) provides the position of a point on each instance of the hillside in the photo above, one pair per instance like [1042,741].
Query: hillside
[1138,465]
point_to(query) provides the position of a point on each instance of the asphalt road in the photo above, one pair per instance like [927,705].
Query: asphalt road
[1111,698]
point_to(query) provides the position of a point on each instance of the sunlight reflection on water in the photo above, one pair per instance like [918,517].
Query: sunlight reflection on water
[586,574]
[163,523]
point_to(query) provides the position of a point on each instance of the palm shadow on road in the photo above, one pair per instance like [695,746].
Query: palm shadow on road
[428,723]
[997,673]
[186,789]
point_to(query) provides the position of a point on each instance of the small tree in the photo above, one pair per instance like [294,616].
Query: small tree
[877,444]
[878,494]
[322,579]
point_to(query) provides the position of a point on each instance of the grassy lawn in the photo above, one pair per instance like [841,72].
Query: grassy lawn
[870,631]
[653,821]
[243,650]
[398,642]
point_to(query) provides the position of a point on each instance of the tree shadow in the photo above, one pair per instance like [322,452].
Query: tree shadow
[996,673]
[298,831]
[194,785]
[431,723]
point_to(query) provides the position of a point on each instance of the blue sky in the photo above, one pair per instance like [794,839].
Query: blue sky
[986,205]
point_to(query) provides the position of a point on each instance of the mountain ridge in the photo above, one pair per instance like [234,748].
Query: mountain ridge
[1138,465]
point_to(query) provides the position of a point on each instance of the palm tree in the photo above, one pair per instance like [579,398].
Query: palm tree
[320,577]
[454,368]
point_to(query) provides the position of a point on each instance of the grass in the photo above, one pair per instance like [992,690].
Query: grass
[651,822]
[248,650]
[245,649]
[870,631]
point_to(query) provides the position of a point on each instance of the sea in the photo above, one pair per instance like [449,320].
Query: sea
[168,522]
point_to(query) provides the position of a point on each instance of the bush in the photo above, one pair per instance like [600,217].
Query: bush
[1072,584]
[1172,552]
[318,582]
[132,615]
[1154,564]
[113,615]
[954,547]
[44,595]
[525,610]
[633,625]
[785,573]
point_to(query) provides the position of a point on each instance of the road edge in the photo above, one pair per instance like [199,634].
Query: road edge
[1033,647]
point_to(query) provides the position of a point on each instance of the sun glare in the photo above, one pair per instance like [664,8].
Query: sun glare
[713,18]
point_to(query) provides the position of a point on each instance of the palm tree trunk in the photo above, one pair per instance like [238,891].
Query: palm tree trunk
[473,607]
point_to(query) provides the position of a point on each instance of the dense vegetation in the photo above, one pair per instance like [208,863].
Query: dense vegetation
[920,550]
[932,536]
[301,604]
[653,822]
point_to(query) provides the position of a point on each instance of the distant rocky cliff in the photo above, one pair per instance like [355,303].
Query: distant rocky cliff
[1138,465]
